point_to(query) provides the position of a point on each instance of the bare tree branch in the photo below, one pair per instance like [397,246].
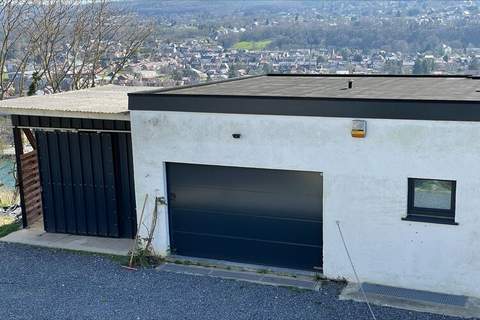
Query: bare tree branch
[133,38]
[55,40]
[13,25]
[70,43]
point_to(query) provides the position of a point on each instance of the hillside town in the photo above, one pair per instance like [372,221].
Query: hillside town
[196,61]
[183,50]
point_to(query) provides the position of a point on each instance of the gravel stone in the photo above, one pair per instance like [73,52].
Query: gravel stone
[38,283]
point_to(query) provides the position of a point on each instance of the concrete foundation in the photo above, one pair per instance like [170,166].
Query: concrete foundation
[470,310]
[40,238]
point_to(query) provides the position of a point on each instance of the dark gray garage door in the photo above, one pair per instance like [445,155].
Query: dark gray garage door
[270,217]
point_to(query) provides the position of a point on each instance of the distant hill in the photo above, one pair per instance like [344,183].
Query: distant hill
[327,7]
[399,26]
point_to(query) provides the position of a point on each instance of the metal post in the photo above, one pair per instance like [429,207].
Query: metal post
[17,140]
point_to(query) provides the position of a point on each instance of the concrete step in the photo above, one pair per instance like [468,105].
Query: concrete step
[415,300]
[40,238]
[256,277]
[415,295]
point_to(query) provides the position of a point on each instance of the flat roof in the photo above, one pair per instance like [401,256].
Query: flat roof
[102,102]
[449,98]
[444,88]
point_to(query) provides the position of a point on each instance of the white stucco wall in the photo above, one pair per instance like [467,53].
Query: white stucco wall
[365,185]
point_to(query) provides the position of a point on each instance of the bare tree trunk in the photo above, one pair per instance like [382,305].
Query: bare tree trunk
[22,80]
[13,25]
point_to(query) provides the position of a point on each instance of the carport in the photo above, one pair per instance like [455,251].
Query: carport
[74,161]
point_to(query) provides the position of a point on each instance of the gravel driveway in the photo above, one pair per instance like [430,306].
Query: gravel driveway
[40,283]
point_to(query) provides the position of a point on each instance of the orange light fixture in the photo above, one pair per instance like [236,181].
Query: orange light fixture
[359,128]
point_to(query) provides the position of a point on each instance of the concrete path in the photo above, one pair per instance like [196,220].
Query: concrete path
[40,238]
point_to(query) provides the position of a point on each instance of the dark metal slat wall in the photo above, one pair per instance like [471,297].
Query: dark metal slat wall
[87,177]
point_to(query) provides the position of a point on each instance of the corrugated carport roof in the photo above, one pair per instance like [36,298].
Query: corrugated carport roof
[103,102]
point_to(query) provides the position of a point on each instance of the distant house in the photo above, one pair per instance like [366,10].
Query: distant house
[202,76]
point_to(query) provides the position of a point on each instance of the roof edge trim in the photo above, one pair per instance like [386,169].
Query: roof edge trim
[313,107]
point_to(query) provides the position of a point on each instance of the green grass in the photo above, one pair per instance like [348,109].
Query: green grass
[252,45]
[318,277]
[7,197]
[262,271]
[295,289]
[7,226]
[143,258]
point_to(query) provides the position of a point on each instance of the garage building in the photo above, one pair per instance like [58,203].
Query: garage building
[264,170]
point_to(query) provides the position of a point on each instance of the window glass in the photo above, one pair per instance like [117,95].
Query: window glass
[434,194]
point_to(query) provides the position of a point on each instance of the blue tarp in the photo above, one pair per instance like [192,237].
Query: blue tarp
[7,167]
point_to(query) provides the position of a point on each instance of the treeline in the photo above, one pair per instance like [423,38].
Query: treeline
[404,35]
[65,39]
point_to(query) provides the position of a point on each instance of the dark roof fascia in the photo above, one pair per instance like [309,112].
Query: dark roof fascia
[33,121]
[412,109]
